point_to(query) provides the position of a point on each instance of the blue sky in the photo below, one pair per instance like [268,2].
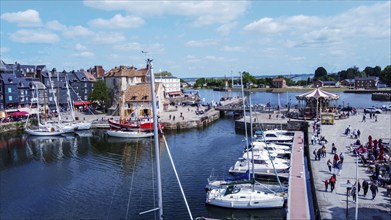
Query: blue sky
[198,38]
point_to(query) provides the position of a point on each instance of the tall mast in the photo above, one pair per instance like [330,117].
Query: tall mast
[156,139]
[245,124]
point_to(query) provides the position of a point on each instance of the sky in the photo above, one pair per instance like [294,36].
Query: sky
[198,38]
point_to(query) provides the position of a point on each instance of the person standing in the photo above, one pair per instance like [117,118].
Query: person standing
[365,187]
[374,190]
[329,164]
[332,181]
[358,187]
[333,149]
[341,157]
[315,154]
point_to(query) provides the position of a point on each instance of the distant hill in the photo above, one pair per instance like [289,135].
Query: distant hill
[294,77]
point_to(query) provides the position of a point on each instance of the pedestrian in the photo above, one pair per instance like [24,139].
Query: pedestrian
[333,148]
[329,164]
[326,184]
[358,133]
[358,187]
[315,155]
[354,192]
[365,187]
[324,151]
[336,158]
[341,157]
[363,118]
[375,118]
[339,167]
[349,187]
[332,181]
[374,190]
[319,152]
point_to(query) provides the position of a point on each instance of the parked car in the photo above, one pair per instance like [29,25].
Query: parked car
[386,108]
[372,110]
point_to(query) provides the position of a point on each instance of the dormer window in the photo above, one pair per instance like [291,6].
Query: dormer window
[10,80]
[133,98]
[145,97]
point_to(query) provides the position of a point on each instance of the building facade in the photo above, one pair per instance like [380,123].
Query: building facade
[279,83]
[365,82]
[171,85]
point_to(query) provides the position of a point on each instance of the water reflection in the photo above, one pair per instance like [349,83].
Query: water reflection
[223,213]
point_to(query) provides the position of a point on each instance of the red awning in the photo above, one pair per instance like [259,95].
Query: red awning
[15,114]
[174,93]
[81,103]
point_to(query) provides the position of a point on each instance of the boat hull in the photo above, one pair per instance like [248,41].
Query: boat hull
[42,132]
[129,134]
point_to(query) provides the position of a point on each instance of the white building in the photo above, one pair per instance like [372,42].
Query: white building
[171,85]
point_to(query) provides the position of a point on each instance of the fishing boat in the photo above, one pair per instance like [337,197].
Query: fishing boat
[129,134]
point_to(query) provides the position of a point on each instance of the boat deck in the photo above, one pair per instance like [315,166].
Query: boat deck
[298,206]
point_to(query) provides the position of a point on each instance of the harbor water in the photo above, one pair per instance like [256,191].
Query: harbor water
[93,176]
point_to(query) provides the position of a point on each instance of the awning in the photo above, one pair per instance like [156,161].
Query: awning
[175,93]
[16,114]
[81,103]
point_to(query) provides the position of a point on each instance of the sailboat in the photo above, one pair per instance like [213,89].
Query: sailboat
[243,194]
[78,125]
[41,129]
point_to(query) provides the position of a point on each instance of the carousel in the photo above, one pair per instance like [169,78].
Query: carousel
[318,103]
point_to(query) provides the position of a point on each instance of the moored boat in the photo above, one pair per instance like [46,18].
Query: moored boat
[129,134]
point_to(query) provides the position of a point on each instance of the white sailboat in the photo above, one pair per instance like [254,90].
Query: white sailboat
[129,134]
[242,194]
[78,125]
[41,129]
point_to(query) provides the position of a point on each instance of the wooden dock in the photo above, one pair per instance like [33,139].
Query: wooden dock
[298,206]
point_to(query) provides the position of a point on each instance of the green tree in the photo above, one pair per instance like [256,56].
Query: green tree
[247,78]
[163,73]
[199,83]
[99,94]
[385,75]
[320,72]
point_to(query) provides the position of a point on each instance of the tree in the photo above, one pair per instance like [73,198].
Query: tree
[320,72]
[163,73]
[199,83]
[99,93]
[247,78]
[385,75]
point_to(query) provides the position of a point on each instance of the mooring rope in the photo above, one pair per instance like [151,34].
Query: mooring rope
[176,175]
[131,183]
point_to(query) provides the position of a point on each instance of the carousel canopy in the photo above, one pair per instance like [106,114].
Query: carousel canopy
[316,94]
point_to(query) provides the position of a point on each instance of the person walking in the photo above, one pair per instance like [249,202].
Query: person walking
[329,164]
[333,149]
[326,185]
[349,188]
[374,190]
[333,180]
[365,187]
[363,118]
[353,192]
[315,154]
[358,187]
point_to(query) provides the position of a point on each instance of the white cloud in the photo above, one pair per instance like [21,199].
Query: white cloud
[201,43]
[204,12]
[84,54]
[118,21]
[108,38]
[225,29]
[34,36]
[28,18]
[80,47]
[4,50]
[312,31]
[69,31]
[265,25]
[232,49]
[128,47]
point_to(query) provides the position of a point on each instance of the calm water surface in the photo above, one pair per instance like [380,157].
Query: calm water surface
[99,177]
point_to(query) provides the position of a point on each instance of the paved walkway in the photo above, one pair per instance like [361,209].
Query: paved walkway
[298,207]
[332,205]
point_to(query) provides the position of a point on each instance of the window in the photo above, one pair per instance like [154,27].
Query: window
[10,98]
[9,89]
[133,98]
[145,97]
